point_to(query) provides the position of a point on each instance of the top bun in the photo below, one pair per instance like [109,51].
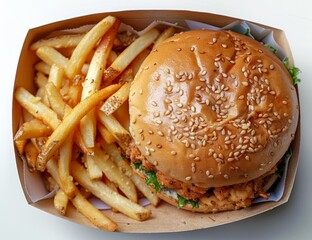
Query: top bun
[213,108]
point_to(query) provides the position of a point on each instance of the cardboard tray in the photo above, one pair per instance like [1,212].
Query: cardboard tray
[161,220]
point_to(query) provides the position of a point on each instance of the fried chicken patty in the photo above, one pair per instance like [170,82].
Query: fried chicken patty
[238,195]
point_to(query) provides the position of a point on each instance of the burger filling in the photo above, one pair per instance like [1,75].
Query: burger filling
[238,195]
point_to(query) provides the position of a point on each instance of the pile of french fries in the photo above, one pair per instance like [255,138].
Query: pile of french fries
[74,127]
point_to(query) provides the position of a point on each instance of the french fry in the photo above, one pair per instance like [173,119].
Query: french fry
[79,141]
[114,127]
[73,95]
[82,204]
[93,81]
[35,107]
[98,63]
[93,169]
[40,78]
[113,151]
[70,122]
[86,44]
[59,106]
[32,129]
[92,213]
[129,54]
[116,100]
[65,157]
[31,154]
[55,99]
[113,199]
[20,146]
[43,68]
[106,135]
[136,63]
[56,76]
[113,173]
[51,56]
[60,201]
[62,41]
[168,32]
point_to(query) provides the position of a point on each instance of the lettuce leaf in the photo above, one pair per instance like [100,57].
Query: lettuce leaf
[293,71]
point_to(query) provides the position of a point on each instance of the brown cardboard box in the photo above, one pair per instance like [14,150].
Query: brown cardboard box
[161,220]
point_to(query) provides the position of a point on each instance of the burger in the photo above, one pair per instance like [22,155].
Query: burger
[212,114]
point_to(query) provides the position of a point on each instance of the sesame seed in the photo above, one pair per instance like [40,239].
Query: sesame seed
[284,102]
[179,49]
[224,45]
[226,176]
[160,133]
[173,153]
[188,178]
[140,130]
[156,114]
[245,84]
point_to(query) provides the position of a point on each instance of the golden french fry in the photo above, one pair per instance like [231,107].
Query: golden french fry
[73,95]
[92,213]
[114,127]
[31,154]
[93,169]
[32,129]
[130,53]
[65,157]
[55,99]
[56,76]
[35,107]
[113,151]
[79,141]
[168,32]
[62,41]
[60,201]
[113,199]
[51,56]
[20,146]
[86,44]
[93,81]
[98,63]
[106,135]
[82,204]
[40,78]
[88,129]
[69,123]
[116,100]
[113,173]
[136,63]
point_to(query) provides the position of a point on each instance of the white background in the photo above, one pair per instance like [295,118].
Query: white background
[18,220]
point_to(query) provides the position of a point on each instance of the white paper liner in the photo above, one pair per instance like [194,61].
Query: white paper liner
[34,185]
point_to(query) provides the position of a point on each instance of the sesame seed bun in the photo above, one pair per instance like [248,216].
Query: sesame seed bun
[213,108]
